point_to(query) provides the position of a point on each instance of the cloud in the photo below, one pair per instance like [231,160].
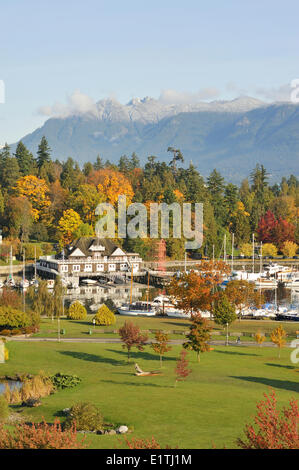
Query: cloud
[77,103]
[281,93]
[170,96]
[232,87]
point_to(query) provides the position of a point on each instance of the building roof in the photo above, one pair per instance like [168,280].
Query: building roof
[89,245]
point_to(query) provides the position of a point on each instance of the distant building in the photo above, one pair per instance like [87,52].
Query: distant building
[89,257]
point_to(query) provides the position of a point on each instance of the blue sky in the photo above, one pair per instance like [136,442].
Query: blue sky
[214,49]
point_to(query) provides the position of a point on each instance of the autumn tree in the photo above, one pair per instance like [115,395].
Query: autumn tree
[112,184]
[269,250]
[272,428]
[131,337]
[243,295]
[289,249]
[161,346]
[194,291]
[259,338]
[278,337]
[68,224]
[181,369]
[198,336]
[36,191]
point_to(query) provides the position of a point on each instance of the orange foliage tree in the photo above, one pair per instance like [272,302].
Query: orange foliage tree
[278,337]
[195,291]
[273,429]
[161,346]
[242,294]
[111,184]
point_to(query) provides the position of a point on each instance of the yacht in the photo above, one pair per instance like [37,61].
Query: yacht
[137,309]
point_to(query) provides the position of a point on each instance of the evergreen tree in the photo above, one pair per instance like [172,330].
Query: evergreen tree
[43,152]
[26,161]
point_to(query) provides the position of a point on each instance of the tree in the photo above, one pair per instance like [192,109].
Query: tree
[243,295]
[259,338]
[43,153]
[19,217]
[85,200]
[68,224]
[113,184]
[224,311]
[289,249]
[131,337]
[269,249]
[278,337]
[77,311]
[272,429]
[36,191]
[58,293]
[104,316]
[199,335]
[25,159]
[181,369]
[161,346]
[193,291]
[246,249]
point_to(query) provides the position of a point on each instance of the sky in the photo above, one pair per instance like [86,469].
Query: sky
[167,49]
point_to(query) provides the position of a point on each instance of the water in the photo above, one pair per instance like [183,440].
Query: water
[11,383]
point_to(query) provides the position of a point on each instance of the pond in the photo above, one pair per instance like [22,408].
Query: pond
[11,383]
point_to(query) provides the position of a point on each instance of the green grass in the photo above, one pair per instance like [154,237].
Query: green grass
[210,408]
[80,329]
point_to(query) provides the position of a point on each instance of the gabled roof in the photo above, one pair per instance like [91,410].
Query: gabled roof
[84,243]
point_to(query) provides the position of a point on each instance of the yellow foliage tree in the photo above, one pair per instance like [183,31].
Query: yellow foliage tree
[269,249]
[68,224]
[289,249]
[113,184]
[36,191]
[259,338]
[278,337]
[246,249]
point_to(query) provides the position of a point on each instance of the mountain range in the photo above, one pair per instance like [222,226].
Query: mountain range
[231,136]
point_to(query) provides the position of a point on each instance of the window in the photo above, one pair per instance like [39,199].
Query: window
[100,267]
[88,268]
[111,267]
[124,267]
[64,268]
[76,267]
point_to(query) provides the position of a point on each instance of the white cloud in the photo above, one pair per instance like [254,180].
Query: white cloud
[281,93]
[77,103]
[180,97]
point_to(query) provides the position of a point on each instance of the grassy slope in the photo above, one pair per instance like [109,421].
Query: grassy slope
[210,407]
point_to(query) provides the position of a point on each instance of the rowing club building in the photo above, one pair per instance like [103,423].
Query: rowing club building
[89,257]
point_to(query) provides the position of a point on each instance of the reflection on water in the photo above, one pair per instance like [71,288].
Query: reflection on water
[11,383]
[94,295]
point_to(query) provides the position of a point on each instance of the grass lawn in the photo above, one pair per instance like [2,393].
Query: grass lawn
[77,329]
[210,408]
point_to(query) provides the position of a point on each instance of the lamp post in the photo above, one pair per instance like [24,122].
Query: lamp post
[226,344]
[94,322]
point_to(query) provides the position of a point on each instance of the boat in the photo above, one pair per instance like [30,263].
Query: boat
[1,284]
[23,284]
[176,313]
[137,309]
[264,282]
[89,281]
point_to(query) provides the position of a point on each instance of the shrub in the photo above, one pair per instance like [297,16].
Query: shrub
[104,316]
[77,311]
[269,249]
[37,386]
[61,381]
[13,318]
[289,249]
[16,331]
[85,416]
[40,436]
[5,332]
[4,410]
[6,354]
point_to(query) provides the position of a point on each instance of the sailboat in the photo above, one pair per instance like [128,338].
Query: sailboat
[10,280]
[137,308]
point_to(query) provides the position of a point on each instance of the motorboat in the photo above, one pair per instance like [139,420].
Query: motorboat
[89,281]
[137,309]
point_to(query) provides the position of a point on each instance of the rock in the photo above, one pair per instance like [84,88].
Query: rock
[122,429]
[66,411]
[32,402]
[111,432]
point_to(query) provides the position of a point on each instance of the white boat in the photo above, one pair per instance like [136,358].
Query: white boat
[264,282]
[1,284]
[89,281]
[137,309]
[10,282]
[24,284]
[294,282]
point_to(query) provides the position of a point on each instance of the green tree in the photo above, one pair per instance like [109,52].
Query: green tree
[199,336]
[25,159]
[224,312]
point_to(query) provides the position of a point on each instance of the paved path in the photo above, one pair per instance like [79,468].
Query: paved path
[117,340]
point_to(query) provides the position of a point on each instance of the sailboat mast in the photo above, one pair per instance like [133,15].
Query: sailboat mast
[35,262]
[253,252]
[233,242]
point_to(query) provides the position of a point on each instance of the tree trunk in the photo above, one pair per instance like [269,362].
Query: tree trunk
[198,357]
[160,361]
